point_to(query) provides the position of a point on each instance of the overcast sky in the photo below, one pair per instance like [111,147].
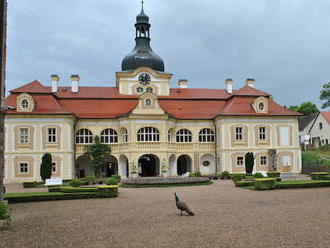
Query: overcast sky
[283,44]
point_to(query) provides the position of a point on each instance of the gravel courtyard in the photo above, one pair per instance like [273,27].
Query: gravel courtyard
[225,217]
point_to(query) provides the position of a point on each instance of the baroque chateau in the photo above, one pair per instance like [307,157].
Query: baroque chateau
[153,129]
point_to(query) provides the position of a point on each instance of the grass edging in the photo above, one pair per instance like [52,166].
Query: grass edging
[54,196]
[164,185]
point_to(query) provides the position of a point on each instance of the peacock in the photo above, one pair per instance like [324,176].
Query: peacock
[182,206]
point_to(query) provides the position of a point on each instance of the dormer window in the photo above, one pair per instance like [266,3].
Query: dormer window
[148,102]
[24,104]
[261,106]
[139,90]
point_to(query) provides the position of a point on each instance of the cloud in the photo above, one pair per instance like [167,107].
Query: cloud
[283,44]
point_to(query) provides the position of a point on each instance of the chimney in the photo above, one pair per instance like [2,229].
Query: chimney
[250,82]
[75,83]
[183,83]
[54,78]
[229,85]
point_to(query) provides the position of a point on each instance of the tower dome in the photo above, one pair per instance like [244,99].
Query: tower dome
[142,54]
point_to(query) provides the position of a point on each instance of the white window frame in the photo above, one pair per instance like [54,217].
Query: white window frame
[240,160]
[26,167]
[148,134]
[84,136]
[109,136]
[183,136]
[263,160]
[239,133]
[206,135]
[24,135]
[262,133]
[51,135]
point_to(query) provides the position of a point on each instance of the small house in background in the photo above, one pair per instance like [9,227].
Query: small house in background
[320,130]
[305,123]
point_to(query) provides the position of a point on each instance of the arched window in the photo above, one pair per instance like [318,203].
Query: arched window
[84,136]
[148,134]
[206,135]
[139,90]
[24,104]
[124,135]
[149,89]
[183,135]
[148,102]
[109,136]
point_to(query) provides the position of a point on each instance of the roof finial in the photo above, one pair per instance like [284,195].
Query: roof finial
[142,4]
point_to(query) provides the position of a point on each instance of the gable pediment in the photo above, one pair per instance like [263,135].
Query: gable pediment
[148,105]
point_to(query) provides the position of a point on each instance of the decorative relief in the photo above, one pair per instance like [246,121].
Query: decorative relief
[260,105]
[24,103]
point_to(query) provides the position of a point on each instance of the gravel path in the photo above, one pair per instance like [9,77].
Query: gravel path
[225,217]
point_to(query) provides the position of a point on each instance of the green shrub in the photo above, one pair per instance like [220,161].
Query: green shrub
[243,183]
[318,175]
[90,179]
[302,184]
[264,183]
[71,189]
[30,184]
[237,176]
[196,174]
[117,177]
[4,213]
[258,175]
[107,191]
[46,166]
[111,181]
[278,179]
[76,183]
[325,148]
[273,174]
[249,163]
[225,175]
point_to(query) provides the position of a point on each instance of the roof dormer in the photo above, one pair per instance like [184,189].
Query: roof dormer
[260,105]
[148,104]
[24,103]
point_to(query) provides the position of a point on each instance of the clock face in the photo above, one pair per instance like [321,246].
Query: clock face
[144,78]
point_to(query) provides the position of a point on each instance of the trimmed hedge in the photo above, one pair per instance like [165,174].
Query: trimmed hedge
[101,191]
[30,184]
[273,174]
[302,184]
[264,183]
[319,175]
[111,181]
[243,183]
[237,176]
[71,189]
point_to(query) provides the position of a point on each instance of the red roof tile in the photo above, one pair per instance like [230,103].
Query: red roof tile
[33,87]
[326,116]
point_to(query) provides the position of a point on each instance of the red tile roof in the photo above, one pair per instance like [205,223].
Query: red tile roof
[106,102]
[326,116]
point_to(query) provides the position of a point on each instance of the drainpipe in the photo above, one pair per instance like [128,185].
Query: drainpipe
[215,147]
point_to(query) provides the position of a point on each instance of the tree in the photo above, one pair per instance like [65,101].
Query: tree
[98,153]
[249,162]
[325,95]
[306,108]
[46,166]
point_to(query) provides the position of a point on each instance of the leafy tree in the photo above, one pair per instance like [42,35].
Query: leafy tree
[249,162]
[98,153]
[46,166]
[306,108]
[325,95]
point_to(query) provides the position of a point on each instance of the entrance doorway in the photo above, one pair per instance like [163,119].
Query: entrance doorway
[183,165]
[148,165]
[110,167]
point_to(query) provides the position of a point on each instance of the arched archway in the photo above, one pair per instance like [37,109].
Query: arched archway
[148,165]
[110,166]
[84,166]
[183,165]
[172,165]
[123,167]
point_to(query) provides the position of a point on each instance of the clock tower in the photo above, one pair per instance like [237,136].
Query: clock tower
[142,69]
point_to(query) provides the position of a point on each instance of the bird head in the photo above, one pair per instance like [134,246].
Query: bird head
[176,197]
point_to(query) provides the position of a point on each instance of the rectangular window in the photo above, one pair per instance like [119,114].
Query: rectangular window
[262,133]
[286,160]
[263,160]
[24,135]
[23,168]
[320,125]
[54,167]
[239,133]
[51,135]
[239,161]
[284,136]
